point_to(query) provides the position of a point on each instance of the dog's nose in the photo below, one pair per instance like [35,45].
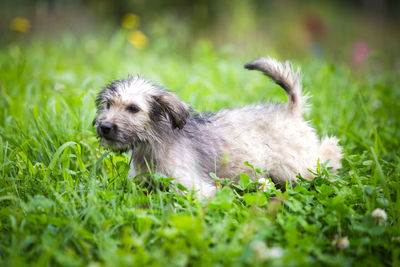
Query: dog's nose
[107,128]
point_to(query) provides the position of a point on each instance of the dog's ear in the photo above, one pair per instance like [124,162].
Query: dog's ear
[167,105]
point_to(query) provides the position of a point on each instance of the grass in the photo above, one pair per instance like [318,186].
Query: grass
[66,201]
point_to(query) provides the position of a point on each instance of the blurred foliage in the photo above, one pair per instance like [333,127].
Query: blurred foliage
[324,29]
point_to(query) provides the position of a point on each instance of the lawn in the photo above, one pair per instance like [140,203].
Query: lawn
[64,200]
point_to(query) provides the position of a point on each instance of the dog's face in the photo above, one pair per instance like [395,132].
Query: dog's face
[135,110]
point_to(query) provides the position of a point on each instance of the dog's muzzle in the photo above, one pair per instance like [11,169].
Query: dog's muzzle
[107,130]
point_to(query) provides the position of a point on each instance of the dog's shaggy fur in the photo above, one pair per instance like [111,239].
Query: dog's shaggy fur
[163,132]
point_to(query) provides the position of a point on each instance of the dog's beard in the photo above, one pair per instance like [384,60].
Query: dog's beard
[115,145]
[123,141]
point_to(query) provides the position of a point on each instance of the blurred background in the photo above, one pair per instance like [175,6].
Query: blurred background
[364,34]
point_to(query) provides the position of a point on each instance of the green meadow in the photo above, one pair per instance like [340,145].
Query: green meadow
[66,201]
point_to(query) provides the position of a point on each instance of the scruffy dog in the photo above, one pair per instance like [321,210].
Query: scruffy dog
[165,134]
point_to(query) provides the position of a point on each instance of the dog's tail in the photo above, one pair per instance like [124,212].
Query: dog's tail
[284,75]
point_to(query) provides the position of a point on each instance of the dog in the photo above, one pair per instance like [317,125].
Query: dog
[165,135]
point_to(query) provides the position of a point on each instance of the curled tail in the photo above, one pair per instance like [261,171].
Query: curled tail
[284,75]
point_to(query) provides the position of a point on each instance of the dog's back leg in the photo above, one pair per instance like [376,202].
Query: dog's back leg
[330,150]
[284,75]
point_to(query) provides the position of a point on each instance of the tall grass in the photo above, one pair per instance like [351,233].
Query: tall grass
[66,201]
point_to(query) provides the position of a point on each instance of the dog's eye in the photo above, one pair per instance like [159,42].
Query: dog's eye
[108,105]
[132,108]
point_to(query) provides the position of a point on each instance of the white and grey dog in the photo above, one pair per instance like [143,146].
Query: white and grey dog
[163,132]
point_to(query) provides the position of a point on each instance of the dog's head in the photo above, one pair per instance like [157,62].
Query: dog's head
[135,110]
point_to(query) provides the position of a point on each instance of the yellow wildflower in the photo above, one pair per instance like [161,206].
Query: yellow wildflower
[138,39]
[20,25]
[130,21]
